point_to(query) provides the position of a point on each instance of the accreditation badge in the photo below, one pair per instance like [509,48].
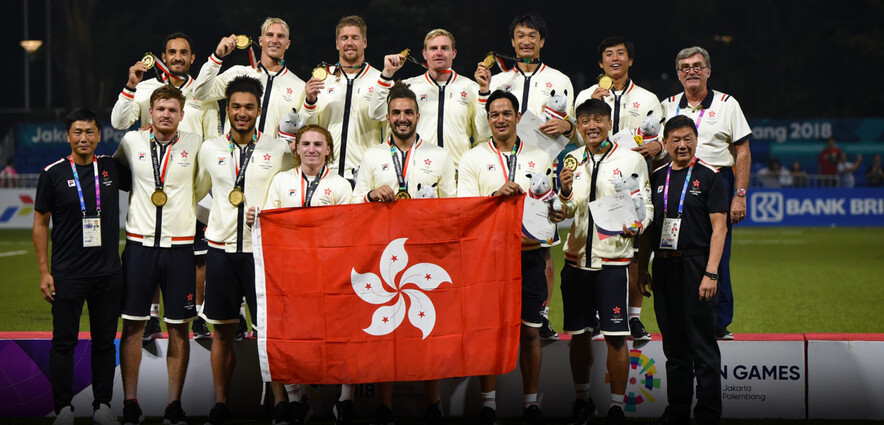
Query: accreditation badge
[91,232]
[669,235]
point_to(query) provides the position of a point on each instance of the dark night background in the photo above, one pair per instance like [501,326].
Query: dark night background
[780,59]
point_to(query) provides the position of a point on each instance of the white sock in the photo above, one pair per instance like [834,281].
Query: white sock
[199,309]
[294,392]
[155,310]
[545,312]
[346,392]
[242,310]
[530,399]
[617,400]
[489,399]
[582,391]
[633,312]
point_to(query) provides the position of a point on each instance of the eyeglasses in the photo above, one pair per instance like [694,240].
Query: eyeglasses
[696,68]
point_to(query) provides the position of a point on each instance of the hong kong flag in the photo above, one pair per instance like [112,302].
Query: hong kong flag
[399,291]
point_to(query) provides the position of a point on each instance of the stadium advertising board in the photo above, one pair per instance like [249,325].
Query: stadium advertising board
[815,207]
[849,130]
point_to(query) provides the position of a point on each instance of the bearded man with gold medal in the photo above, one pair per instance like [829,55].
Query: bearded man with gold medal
[159,242]
[238,167]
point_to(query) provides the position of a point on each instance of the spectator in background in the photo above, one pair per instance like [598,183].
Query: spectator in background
[799,176]
[774,175]
[8,175]
[827,164]
[846,170]
[875,175]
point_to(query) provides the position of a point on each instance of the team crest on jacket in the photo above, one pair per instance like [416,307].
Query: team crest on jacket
[411,286]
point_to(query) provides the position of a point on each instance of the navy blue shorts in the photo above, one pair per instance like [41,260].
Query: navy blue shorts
[534,288]
[200,243]
[144,267]
[585,292]
[229,278]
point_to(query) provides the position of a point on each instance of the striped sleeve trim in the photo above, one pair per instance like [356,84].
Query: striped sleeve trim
[216,59]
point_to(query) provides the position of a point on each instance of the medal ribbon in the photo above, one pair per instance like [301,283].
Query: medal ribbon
[684,189]
[502,66]
[402,169]
[307,193]
[592,184]
[245,155]
[165,69]
[159,172]
[80,189]
[700,118]
[510,163]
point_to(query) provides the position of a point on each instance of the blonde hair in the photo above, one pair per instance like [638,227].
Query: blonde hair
[436,33]
[272,21]
[317,129]
[351,21]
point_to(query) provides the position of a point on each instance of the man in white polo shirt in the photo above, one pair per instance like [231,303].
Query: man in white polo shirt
[340,101]
[238,167]
[159,244]
[630,105]
[500,167]
[721,126]
[283,90]
[451,113]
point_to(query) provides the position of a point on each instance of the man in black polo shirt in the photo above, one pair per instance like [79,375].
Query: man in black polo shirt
[687,237]
[80,195]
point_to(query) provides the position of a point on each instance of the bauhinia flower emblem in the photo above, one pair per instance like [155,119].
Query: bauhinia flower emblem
[413,282]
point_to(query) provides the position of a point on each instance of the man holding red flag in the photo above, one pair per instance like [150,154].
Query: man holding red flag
[238,167]
[415,164]
[501,167]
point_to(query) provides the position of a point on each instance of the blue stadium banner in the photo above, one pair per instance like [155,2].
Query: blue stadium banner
[815,207]
[767,130]
[30,135]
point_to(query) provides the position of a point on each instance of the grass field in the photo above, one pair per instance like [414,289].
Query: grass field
[786,280]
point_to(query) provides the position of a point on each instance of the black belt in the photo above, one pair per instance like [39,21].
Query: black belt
[680,253]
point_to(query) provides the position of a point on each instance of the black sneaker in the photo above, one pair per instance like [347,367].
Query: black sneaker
[131,413]
[241,330]
[487,416]
[532,415]
[174,414]
[546,330]
[219,414]
[343,412]
[433,415]
[152,329]
[581,411]
[615,416]
[281,414]
[383,416]
[300,412]
[637,329]
[200,329]
[723,334]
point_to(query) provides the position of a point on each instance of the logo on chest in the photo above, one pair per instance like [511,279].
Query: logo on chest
[695,187]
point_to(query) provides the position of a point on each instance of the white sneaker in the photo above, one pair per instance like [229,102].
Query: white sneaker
[103,416]
[65,417]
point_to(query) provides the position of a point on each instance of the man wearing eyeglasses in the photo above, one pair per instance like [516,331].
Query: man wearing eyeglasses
[720,123]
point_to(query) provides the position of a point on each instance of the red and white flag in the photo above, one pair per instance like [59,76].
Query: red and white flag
[389,291]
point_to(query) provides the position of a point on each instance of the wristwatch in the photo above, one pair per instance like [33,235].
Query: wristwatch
[741,192]
[710,275]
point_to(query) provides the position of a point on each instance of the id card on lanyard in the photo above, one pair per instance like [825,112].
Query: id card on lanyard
[672,226]
[91,225]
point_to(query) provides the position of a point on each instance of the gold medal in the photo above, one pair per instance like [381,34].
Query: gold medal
[489,60]
[158,197]
[320,73]
[243,41]
[148,60]
[570,163]
[236,197]
[402,194]
[639,140]
[606,82]
[405,53]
